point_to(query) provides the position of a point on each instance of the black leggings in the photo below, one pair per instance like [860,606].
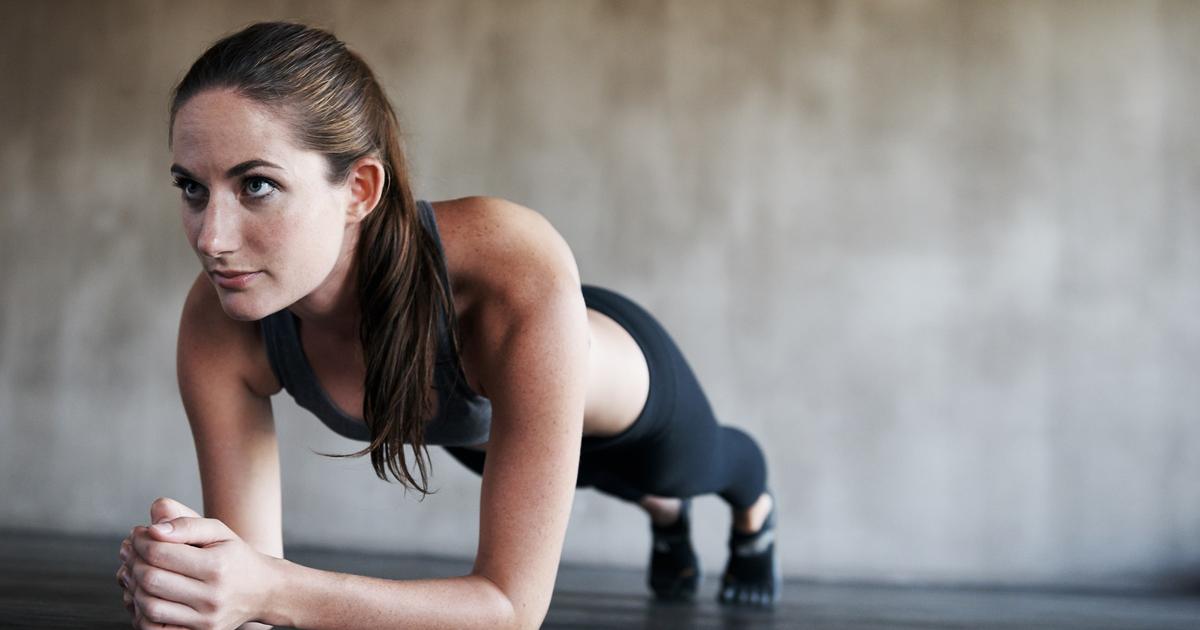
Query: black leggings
[674,448]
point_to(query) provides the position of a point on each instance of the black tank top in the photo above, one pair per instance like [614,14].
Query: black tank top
[464,418]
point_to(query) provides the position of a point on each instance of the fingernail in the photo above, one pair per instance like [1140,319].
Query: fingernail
[124,554]
[162,528]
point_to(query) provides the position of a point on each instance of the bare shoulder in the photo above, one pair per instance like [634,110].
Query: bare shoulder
[507,263]
[499,249]
[211,340]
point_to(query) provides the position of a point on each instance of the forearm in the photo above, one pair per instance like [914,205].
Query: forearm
[314,599]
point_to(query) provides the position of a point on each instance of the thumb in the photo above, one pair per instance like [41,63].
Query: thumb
[192,530]
[166,508]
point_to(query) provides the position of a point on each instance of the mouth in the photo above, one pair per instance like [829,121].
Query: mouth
[233,279]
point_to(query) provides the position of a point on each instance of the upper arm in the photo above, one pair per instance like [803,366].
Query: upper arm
[232,425]
[535,344]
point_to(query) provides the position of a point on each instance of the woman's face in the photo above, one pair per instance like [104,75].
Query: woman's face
[253,201]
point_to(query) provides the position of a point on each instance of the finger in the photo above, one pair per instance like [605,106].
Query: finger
[168,585]
[193,531]
[180,558]
[125,549]
[160,614]
[128,566]
[125,577]
[166,508]
[126,555]
[127,599]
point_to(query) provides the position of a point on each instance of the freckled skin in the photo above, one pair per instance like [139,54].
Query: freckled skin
[300,236]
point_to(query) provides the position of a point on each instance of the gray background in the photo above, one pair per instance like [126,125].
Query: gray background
[941,258]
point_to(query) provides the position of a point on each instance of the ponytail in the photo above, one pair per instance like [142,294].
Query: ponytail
[335,106]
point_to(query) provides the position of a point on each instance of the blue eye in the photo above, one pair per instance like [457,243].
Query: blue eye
[260,187]
[191,190]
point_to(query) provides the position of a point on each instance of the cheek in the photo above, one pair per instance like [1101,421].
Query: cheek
[191,226]
[306,247]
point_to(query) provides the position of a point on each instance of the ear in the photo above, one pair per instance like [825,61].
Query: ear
[365,184]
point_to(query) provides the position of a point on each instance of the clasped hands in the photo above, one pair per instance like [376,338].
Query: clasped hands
[187,571]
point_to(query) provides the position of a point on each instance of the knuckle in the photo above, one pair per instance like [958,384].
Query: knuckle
[152,580]
[153,611]
[220,569]
[206,604]
[153,553]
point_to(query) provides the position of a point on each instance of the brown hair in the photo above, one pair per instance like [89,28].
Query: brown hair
[336,107]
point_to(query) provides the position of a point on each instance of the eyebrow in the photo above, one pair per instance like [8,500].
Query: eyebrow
[232,172]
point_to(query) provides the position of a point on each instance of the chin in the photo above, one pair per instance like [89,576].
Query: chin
[243,307]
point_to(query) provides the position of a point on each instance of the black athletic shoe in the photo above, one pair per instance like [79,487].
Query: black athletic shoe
[674,568]
[752,575]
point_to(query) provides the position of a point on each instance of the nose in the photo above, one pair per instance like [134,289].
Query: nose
[220,229]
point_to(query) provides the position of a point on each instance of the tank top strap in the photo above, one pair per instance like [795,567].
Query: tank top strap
[425,213]
[446,354]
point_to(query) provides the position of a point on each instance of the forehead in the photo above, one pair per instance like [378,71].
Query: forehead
[216,129]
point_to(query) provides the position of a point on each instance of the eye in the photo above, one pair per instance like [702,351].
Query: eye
[260,187]
[192,191]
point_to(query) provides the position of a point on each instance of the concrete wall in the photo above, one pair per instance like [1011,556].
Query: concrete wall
[942,258]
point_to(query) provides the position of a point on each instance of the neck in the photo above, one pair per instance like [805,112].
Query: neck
[333,307]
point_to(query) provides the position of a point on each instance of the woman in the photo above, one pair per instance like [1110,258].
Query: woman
[400,322]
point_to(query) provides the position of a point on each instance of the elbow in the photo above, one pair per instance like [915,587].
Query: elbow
[512,613]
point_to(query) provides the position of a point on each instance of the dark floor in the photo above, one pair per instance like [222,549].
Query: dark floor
[75,589]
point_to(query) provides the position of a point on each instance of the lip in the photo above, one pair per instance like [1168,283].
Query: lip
[234,279]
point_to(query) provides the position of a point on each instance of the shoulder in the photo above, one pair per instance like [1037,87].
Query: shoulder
[211,340]
[509,267]
[499,250]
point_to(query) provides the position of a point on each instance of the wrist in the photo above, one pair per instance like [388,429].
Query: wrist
[274,609]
